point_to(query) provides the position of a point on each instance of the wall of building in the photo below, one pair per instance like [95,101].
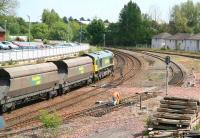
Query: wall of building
[192,45]
[171,44]
[157,43]
[187,45]
[2,36]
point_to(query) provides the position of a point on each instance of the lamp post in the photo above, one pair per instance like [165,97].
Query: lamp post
[81,33]
[5,29]
[104,39]
[29,27]
[68,32]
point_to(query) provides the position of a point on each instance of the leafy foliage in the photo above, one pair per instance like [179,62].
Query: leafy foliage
[14,25]
[7,7]
[50,17]
[40,31]
[130,24]
[133,27]
[96,29]
[58,31]
[50,120]
[185,17]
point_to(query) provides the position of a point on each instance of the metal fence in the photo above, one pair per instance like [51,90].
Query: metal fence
[29,54]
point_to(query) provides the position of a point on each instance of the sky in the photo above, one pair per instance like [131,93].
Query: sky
[104,9]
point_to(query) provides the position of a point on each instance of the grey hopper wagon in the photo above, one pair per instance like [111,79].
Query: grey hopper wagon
[74,71]
[21,82]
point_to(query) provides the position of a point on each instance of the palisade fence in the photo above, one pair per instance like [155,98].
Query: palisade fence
[31,54]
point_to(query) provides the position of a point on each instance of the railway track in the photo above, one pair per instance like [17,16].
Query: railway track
[98,111]
[131,67]
[178,75]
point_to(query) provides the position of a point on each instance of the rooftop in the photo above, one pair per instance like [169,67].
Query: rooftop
[179,36]
[195,37]
[162,35]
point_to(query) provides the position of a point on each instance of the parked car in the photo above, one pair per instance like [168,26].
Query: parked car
[3,46]
[10,45]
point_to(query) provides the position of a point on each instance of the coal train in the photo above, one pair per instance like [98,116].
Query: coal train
[46,80]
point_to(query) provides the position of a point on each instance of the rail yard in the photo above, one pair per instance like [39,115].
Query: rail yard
[99,69]
[138,76]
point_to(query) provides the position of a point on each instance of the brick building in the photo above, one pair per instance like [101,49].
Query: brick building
[2,34]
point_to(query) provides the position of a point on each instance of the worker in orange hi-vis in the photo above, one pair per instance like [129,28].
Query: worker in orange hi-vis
[115,98]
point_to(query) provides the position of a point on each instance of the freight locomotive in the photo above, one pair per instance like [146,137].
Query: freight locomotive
[46,80]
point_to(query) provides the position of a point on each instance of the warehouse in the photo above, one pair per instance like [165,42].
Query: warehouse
[177,41]
[158,41]
[192,43]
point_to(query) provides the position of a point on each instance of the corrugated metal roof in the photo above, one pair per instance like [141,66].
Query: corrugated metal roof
[162,36]
[179,36]
[78,61]
[30,69]
[195,37]
[2,30]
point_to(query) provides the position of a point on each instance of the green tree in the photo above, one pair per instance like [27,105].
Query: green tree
[7,7]
[147,30]
[65,20]
[96,29]
[40,31]
[185,17]
[59,31]
[23,25]
[75,27]
[130,24]
[179,20]
[112,34]
[50,17]
[13,26]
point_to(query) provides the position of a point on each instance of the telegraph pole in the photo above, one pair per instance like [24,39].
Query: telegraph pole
[5,29]
[104,39]
[29,29]
[81,33]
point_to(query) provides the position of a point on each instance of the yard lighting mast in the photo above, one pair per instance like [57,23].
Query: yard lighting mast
[81,33]
[5,29]
[29,28]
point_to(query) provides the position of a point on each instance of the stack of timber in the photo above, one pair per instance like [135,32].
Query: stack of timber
[175,113]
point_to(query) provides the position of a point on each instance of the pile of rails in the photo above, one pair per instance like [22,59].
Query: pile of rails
[175,113]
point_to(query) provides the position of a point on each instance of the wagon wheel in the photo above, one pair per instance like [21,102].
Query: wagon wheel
[89,81]
[4,108]
[49,95]
[13,106]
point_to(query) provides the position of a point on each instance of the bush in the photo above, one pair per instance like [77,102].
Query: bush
[197,127]
[163,48]
[50,120]
[11,62]
[45,41]
[149,121]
